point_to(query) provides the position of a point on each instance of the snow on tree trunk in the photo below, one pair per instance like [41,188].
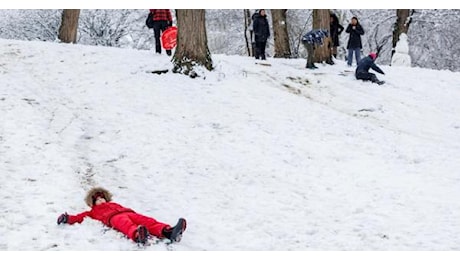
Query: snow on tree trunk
[69,25]
[401,55]
[282,47]
[192,44]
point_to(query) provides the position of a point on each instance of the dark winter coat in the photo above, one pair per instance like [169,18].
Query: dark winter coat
[261,28]
[354,41]
[367,63]
[336,30]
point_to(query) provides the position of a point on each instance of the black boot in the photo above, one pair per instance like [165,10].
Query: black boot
[142,235]
[374,79]
[175,233]
[310,66]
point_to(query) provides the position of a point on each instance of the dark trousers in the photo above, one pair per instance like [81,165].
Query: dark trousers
[364,75]
[260,50]
[158,28]
[310,54]
[310,47]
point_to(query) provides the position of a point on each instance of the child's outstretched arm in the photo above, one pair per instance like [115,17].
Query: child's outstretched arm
[71,219]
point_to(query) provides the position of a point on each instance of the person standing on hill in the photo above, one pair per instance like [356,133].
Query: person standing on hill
[134,225]
[162,20]
[336,30]
[261,32]
[354,42]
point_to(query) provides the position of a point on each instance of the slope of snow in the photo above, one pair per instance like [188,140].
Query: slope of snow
[254,157]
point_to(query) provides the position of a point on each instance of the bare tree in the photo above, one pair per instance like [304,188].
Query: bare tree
[104,27]
[192,43]
[321,20]
[434,38]
[280,32]
[69,25]
[299,22]
[403,20]
[248,28]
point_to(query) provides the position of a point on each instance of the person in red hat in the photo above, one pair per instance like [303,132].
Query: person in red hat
[134,225]
[362,71]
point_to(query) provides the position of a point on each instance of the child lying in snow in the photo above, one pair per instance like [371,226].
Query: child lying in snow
[136,226]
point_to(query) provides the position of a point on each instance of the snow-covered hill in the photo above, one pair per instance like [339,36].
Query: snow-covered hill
[254,157]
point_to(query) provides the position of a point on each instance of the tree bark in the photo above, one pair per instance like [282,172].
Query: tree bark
[69,25]
[192,43]
[248,29]
[402,23]
[280,33]
[321,20]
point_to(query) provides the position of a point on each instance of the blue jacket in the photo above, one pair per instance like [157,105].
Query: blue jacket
[315,36]
[368,63]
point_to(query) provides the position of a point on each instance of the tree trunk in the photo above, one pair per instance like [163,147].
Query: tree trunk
[69,25]
[248,29]
[321,20]
[403,21]
[281,37]
[192,43]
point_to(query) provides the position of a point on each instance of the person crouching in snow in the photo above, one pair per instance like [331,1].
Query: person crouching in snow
[310,40]
[362,71]
[136,226]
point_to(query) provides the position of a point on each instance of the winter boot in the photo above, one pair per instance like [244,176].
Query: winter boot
[374,79]
[175,233]
[311,66]
[142,235]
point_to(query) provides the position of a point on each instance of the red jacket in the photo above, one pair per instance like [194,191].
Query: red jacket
[102,212]
[161,15]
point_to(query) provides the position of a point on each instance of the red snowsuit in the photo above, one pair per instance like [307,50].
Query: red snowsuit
[122,219]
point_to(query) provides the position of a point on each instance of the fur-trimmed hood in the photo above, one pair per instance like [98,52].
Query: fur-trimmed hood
[93,191]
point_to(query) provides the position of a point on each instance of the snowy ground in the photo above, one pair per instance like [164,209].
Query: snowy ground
[255,157]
